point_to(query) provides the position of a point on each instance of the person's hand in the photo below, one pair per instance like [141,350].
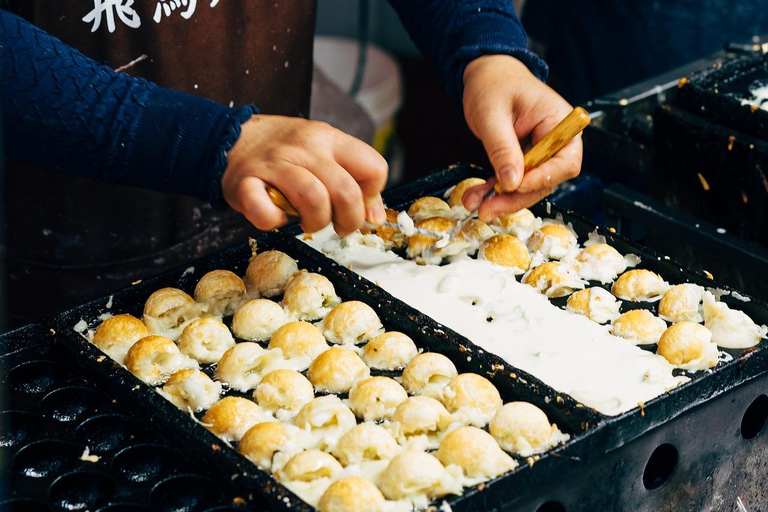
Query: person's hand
[326,174]
[504,104]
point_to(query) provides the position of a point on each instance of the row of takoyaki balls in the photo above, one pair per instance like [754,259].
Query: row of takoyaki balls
[299,425]
[548,255]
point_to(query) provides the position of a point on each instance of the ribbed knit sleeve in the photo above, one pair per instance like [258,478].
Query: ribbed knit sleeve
[65,112]
[452,33]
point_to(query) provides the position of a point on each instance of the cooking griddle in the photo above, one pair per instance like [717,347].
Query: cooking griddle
[596,443]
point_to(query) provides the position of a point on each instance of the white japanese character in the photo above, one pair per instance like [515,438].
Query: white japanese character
[123,8]
[190,10]
[214,3]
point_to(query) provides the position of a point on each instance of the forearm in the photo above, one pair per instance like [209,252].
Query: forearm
[451,34]
[65,112]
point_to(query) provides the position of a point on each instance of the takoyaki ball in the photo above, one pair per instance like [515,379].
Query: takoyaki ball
[364,442]
[457,194]
[688,345]
[476,452]
[117,334]
[155,358]
[682,303]
[472,399]
[258,319]
[220,292]
[271,444]
[269,272]
[309,296]
[310,465]
[376,398]
[730,328]
[283,392]
[524,429]
[520,224]
[595,303]
[507,251]
[243,366]
[299,340]
[427,374]
[326,419]
[389,351]
[392,236]
[352,494]
[420,243]
[553,279]
[191,390]
[553,241]
[640,326]
[336,370]
[415,475]
[232,416]
[205,340]
[168,309]
[352,323]
[639,285]
[600,262]
[421,419]
[426,207]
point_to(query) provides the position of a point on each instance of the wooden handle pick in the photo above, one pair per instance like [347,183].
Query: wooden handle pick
[573,124]
[279,200]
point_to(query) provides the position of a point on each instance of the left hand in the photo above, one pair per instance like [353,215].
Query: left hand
[504,103]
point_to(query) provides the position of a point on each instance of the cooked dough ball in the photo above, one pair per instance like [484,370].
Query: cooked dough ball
[310,465]
[191,389]
[269,272]
[553,279]
[414,474]
[472,234]
[682,303]
[595,303]
[639,326]
[418,243]
[220,292]
[524,429]
[425,207]
[299,339]
[389,351]
[168,309]
[475,452]
[600,262]
[730,328]
[457,194]
[336,370]
[507,251]
[688,345]
[205,340]
[363,442]
[155,358]
[553,241]
[376,398]
[309,296]
[243,366]
[472,399]
[117,334]
[427,374]
[283,392]
[232,416]
[326,418]
[521,224]
[352,494]
[258,319]
[422,420]
[351,322]
[392,236]
[639,285]
[271,444]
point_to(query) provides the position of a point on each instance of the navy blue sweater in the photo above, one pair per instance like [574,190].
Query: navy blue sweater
[65,112]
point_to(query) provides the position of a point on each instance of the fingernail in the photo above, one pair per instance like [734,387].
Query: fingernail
[376,214]
[508,176]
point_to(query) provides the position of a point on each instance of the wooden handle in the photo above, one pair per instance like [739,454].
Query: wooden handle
[573,124]
[281,201]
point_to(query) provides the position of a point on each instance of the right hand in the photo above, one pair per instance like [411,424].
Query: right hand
[327,175]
